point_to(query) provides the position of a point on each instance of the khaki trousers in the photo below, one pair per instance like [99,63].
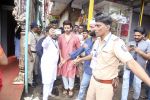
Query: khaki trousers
[99,91]
[30,68]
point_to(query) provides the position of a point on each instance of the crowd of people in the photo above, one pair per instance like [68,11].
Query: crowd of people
[94,55]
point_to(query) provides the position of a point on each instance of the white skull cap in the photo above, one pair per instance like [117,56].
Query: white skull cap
[92,21]
[57,31]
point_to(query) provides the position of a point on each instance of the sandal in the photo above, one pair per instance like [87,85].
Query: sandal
[65,92]
[71,93]
[144,97]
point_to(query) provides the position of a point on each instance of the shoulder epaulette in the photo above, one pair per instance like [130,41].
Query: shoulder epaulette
[115,38]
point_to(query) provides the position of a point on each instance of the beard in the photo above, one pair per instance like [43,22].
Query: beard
[138,40]
[67,32]
[92,33]
[55,37]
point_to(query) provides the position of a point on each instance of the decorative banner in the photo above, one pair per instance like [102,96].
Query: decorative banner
[124,29]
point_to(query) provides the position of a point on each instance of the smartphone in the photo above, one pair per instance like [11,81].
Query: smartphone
[132,46]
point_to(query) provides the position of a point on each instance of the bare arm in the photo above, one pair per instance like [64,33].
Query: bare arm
[146,56]
[78,60]
[138,71]
[3,59]
[29,51]
[61,58]
[143,54]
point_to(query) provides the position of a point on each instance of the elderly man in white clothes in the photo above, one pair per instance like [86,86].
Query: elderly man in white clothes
[49,62]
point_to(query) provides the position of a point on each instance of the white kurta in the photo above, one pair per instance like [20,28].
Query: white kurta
[49,60]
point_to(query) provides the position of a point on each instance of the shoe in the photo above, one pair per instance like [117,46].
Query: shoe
[55,91]
[52,95]
[144,97]
[70,93]
[65,92]
[131,90]
[134,99]
[31,85]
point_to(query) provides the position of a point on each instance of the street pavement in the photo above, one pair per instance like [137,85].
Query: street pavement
[37,92]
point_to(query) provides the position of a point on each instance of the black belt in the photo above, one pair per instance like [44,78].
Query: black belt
[33,51]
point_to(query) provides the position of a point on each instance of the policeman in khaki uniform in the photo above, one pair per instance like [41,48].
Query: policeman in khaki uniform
[32,51]
[107,52]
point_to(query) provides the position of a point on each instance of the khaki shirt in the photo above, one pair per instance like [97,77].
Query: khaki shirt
[32,40]
[107,55]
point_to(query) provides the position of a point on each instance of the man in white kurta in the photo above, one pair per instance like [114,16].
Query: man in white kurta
[49,62]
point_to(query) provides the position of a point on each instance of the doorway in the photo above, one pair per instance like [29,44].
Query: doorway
[7,27]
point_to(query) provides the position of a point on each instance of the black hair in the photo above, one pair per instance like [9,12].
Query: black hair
[103,18]
[85,30]
[92,33]
[67,22]
[84,26]
[98,14]
[47,28]
[54,22]
[140,30]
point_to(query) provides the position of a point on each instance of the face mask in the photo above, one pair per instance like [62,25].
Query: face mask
[92,33]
